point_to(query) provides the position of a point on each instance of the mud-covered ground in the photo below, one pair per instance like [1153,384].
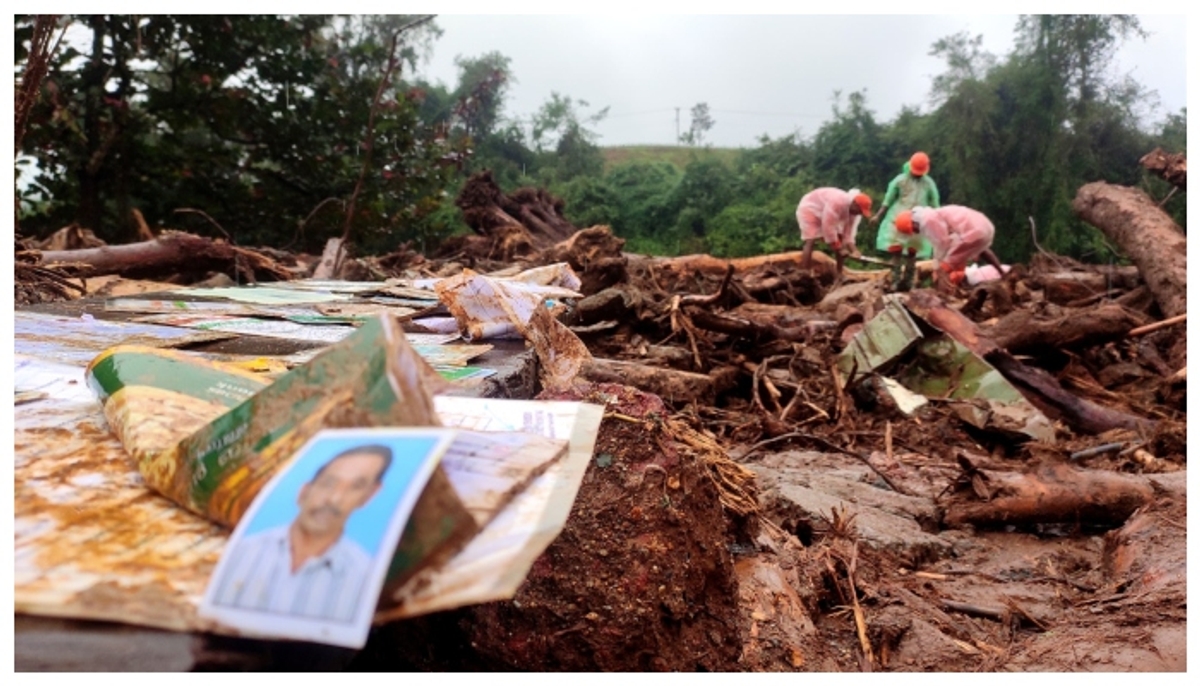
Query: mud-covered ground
[848,561]
[749,510]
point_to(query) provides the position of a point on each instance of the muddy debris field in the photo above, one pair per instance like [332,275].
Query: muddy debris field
[799,472]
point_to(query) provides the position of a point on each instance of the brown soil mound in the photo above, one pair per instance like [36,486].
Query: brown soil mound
[641,578]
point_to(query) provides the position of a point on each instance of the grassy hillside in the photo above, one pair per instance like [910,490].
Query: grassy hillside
[678,155]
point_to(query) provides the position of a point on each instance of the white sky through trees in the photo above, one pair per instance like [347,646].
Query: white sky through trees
[771,74]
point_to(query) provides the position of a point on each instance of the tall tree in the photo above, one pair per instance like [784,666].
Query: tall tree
[848,151]
[257,119]
[702,123]
[482,85]
[565,144]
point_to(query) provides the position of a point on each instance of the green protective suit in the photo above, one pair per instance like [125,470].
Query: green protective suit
[904,193]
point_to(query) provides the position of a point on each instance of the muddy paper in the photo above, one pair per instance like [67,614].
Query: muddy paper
[464,373]
[324,331]
[495,308]
[90,540]
[495,563]
[450,355]
[149,306]
[75,340]
[238,435]
[264,295]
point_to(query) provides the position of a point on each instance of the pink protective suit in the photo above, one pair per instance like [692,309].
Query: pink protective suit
[825,213]
[957,234]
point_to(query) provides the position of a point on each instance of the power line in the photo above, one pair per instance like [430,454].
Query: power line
[617,115]
[772,114]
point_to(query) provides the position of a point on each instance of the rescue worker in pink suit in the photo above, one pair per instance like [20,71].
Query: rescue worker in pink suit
[958,235]
[832,215]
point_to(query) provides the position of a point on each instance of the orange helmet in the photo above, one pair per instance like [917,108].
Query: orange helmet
[919,164]
[904,222]
[864,203]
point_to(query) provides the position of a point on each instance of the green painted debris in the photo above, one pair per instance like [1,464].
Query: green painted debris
[886,338]
[921,367]
[944,368]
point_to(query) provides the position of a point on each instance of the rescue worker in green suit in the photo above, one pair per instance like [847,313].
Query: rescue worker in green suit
[911,188]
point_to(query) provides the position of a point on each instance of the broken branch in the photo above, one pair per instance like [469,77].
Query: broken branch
[1151,328]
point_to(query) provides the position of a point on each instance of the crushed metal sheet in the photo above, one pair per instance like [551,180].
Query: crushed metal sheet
[888,336]
[76,340]
[945,368]
[1011,418]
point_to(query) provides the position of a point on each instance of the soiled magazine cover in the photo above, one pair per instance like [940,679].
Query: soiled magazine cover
[209,436]
[245,452]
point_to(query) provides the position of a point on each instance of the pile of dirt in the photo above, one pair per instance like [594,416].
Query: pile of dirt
[640,579]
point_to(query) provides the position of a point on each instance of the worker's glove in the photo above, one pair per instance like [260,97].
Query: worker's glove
[957,276]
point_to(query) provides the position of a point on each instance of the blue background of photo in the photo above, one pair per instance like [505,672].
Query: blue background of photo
[368,523]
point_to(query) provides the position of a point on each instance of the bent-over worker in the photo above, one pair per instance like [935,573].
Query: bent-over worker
[957,234]
[832,215]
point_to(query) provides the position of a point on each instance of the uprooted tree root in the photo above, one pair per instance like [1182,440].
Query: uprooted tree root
[37,284]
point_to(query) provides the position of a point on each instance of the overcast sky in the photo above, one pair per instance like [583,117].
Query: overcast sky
[772,74]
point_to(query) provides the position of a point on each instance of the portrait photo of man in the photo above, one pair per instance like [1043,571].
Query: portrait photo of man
[309,567]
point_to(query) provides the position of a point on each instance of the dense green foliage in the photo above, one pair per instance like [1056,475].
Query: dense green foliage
[260,120]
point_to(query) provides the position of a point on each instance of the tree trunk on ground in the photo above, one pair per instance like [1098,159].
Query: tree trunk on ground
[765,274]
[1063,288]
[1020,333]
[1149,552]
[169,252]
[486,208]
[671,385]
[1145,233]
[748,328]
[708,265]
[1048,395]
[1057,493]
